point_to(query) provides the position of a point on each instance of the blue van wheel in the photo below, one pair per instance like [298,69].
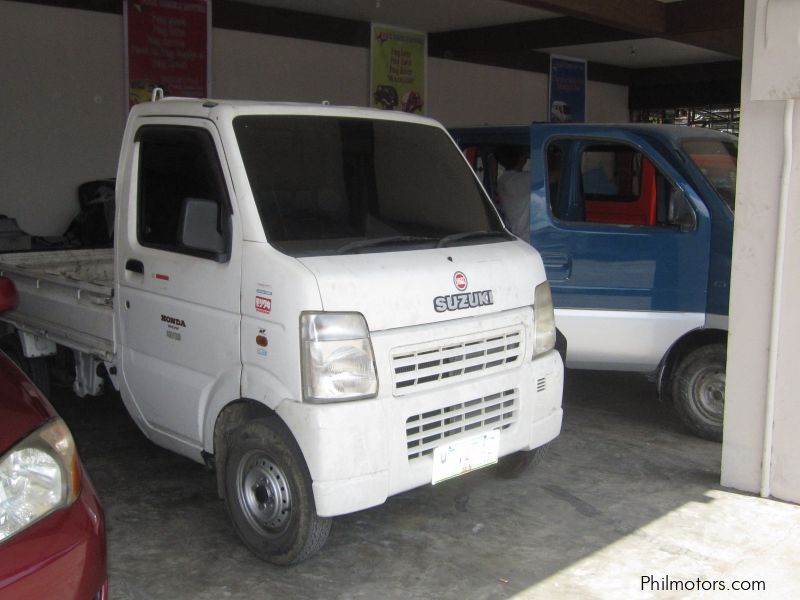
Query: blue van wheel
[698,390]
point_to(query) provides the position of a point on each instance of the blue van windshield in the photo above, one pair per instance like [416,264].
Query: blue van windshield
[717,161]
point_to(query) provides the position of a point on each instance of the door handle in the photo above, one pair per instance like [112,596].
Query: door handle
[134,266]
[558,266]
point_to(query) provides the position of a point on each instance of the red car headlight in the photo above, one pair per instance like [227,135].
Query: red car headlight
[38,476]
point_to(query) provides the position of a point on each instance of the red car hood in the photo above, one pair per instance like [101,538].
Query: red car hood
[22,406]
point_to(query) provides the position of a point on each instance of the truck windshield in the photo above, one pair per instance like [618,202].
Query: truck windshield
[717,160]
[333,185]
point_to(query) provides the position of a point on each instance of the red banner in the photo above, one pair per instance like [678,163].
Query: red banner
[168,47]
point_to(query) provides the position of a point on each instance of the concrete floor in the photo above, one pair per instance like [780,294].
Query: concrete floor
[624,494]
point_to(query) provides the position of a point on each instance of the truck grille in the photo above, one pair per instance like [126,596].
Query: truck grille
[426,431]
[446,361]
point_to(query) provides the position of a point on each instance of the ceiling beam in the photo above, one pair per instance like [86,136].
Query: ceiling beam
[530,60]
[685,86]
[688,74]
[244,16]
[113,7]
[710,24]
[727,41]
[645,17]
[704,15]
[528,35]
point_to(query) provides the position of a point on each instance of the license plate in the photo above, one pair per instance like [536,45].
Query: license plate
[463,456]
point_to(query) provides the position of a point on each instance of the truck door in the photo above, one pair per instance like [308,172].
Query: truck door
[179,280]
[625,241]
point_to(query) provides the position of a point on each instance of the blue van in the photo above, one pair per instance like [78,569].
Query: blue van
[635,227]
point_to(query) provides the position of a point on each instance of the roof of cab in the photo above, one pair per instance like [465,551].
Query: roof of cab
[228,109]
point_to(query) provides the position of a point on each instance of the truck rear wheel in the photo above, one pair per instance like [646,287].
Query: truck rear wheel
[268,494]
[35,368]
[518,463]
[698,390]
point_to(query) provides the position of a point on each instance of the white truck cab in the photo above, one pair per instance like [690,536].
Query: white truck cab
[320,302]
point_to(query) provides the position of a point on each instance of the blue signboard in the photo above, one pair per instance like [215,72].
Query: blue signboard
[567,90]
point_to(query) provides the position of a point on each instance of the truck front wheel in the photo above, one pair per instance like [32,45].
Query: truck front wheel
[268,494]
[698,390]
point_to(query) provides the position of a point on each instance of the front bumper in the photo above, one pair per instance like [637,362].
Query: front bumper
[358,453]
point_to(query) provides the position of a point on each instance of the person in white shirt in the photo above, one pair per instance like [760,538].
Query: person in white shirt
[514,190]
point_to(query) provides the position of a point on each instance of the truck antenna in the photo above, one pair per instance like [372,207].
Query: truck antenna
[158,94]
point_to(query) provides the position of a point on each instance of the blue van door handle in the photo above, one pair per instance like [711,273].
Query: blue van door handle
[557,266]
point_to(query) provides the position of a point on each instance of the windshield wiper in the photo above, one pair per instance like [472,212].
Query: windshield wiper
[392,239]
[454,237]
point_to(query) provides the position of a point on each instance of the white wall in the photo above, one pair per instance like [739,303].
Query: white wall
[758,188]
[607,103]
[251,66]
[63,109]
[465,94]
[64,105]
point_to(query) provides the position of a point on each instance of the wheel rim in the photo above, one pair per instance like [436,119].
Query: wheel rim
[709,393]
[265,497]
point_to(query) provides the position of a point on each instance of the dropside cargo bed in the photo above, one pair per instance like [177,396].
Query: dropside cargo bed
[65,296]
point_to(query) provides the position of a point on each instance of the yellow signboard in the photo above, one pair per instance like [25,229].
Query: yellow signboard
[398,69]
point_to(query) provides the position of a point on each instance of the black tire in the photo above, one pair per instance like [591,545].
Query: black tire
[36,369]
[269,496]
[519,463]
[698,390]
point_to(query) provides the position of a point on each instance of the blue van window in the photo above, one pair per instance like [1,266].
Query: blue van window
[610,183]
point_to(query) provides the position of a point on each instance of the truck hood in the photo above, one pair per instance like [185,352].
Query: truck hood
[403,288]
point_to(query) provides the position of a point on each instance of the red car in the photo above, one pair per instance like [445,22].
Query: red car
[52,529]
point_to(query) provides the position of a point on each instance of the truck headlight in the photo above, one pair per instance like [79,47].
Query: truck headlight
[38,476]
[337,359]
[544,320]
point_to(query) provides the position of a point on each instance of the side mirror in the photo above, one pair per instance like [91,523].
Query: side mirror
[681,213]
[199,229]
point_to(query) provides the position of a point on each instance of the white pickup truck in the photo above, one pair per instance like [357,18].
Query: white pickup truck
[321,303]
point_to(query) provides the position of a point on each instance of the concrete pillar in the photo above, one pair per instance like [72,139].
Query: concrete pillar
[747,423]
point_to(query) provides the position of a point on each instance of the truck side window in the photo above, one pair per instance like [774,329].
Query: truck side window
[176,164]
